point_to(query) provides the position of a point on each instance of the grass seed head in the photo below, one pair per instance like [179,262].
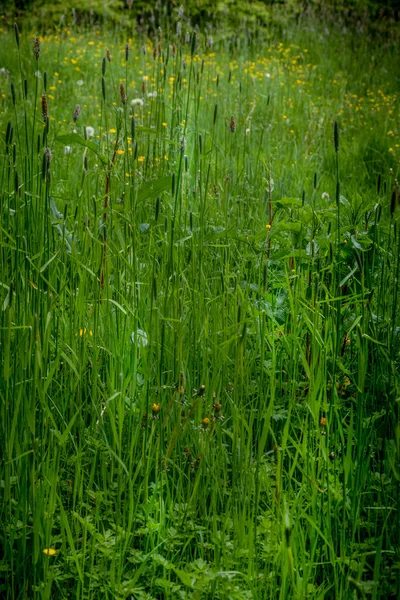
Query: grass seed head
[336,135]
[122,92]
[47,157]
[36,48]
[45,108]
[16,31]
[77,112]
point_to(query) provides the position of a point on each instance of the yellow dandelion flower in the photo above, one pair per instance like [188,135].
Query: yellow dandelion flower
[50,551]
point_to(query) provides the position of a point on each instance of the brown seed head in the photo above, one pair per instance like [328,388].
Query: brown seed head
[77,112]
[45,108]
[108,55]
[36,48]
[122,93]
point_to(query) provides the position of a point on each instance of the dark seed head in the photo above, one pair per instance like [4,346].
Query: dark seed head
[77,112]
[336,135]
[16,31]
[122,92]
[36,48]
[13,93]
[45,108]
[393,203]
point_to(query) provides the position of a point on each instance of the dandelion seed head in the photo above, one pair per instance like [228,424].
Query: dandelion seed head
[89,131]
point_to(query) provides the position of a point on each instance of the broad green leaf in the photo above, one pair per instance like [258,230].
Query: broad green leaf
[288,201]
[153,188]
[74,138]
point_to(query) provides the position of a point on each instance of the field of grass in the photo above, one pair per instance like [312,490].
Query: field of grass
[199,316]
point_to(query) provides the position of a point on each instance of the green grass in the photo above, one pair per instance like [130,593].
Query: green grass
[199,318]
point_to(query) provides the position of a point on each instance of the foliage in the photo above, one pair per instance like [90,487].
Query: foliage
[199,325]
[233,14]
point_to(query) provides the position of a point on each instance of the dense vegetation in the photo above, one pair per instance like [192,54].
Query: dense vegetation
[199,315]
[232,14]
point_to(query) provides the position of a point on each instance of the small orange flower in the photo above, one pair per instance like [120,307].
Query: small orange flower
[206,422]
[323,422]
[155,409]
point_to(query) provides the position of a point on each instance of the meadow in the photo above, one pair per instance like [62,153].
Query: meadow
[199,315]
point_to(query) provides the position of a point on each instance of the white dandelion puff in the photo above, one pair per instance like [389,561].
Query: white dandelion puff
[89,131]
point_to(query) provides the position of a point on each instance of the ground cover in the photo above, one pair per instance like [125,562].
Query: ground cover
[199,316]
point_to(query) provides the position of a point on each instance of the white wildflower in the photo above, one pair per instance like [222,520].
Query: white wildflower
[80,82]
[38,74]
[67,150]
[137,102]
[89,131]
[248,131]
[268,75]
[325,196]
[152,94]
